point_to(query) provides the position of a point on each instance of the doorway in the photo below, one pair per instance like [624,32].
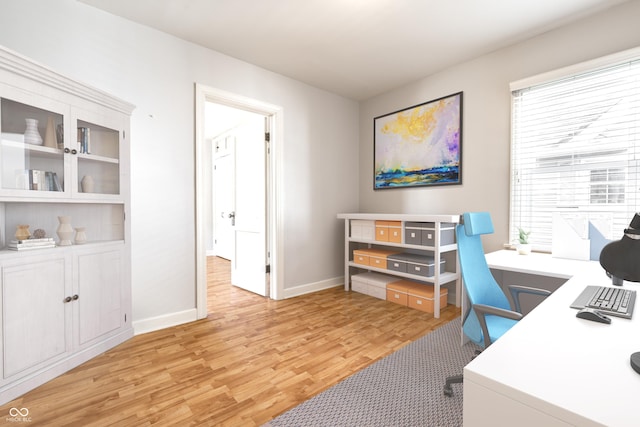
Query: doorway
[255,237]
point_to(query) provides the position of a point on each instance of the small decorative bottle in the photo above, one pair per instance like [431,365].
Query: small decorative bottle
[31,134]
[81,236]
[64,231]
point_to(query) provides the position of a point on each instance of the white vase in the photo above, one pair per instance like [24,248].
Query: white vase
[31,134]
[64,230]
[87,184]
[81,236]
[524,248]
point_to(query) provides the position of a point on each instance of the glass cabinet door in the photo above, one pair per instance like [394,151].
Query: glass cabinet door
[97,158]
[31,149]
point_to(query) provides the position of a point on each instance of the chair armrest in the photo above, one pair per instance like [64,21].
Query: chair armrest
[481,310]
[516,290]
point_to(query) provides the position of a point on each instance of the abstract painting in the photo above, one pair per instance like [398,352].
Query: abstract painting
[420,145]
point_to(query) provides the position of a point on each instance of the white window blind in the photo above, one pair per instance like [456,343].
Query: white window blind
[575,150]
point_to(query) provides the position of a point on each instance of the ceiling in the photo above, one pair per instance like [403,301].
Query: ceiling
[354,48]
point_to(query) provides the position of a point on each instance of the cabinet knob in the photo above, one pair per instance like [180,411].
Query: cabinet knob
[75,297]
[67,299]
[66,150]
[74,151]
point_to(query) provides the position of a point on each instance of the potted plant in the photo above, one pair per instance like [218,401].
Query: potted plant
[523,247]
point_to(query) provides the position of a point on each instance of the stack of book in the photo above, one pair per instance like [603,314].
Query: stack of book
[84,139]
[24,245]
[33,179]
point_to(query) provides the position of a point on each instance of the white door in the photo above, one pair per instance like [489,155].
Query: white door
[248,265]
[224,196]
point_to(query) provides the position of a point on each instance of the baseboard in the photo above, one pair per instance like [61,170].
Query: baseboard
[165,321]
[313,287]
[151,324]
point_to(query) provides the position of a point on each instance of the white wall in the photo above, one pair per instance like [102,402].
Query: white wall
[157,72]
[486,116]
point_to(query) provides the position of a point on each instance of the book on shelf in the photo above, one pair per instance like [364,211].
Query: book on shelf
[52,182]
[37,180]
[56,182]
[34,240]
[29,248]
[84,139]
[19,245]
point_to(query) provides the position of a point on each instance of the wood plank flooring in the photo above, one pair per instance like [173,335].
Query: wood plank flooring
[249,361]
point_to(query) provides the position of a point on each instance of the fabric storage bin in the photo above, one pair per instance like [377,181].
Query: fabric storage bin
[395,262]
[413,232]
[420,297]
[372,284]
[420,265]
[389,231]
[423,233]
[395,232]
[360,257]
[397,292]
[363,229]
[447,234]
[372,257]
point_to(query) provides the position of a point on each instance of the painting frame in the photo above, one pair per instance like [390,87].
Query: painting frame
[419,146]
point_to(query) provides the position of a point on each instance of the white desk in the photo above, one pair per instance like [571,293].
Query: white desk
[536,269]
[536,263]
[544,371]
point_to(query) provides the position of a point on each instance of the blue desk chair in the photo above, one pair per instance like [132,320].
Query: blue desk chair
[491,314]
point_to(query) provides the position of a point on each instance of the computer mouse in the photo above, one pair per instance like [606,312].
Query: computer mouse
[593,315]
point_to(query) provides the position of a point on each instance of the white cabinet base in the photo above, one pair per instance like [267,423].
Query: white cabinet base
[23,385]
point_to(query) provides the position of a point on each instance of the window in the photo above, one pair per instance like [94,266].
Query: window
[607,186]
[576,148]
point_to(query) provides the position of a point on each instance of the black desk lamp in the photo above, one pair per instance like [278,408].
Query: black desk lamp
[621,261]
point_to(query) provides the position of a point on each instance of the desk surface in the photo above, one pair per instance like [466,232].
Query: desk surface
[537,263]
[546,366]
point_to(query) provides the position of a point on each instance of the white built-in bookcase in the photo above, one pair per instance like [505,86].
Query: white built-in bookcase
[60,305]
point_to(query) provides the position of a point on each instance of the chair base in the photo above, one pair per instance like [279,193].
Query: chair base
[455,379]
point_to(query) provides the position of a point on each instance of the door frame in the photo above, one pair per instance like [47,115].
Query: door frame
[273,181]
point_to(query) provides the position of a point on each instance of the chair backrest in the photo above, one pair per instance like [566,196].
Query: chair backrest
[479,283]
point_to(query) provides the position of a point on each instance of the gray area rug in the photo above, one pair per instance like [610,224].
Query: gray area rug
[403,389]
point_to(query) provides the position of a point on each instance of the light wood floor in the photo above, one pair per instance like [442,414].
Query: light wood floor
[249,361]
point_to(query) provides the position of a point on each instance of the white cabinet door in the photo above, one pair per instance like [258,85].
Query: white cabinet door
[99,288]
[96,155]
[28,168]
[35,315]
